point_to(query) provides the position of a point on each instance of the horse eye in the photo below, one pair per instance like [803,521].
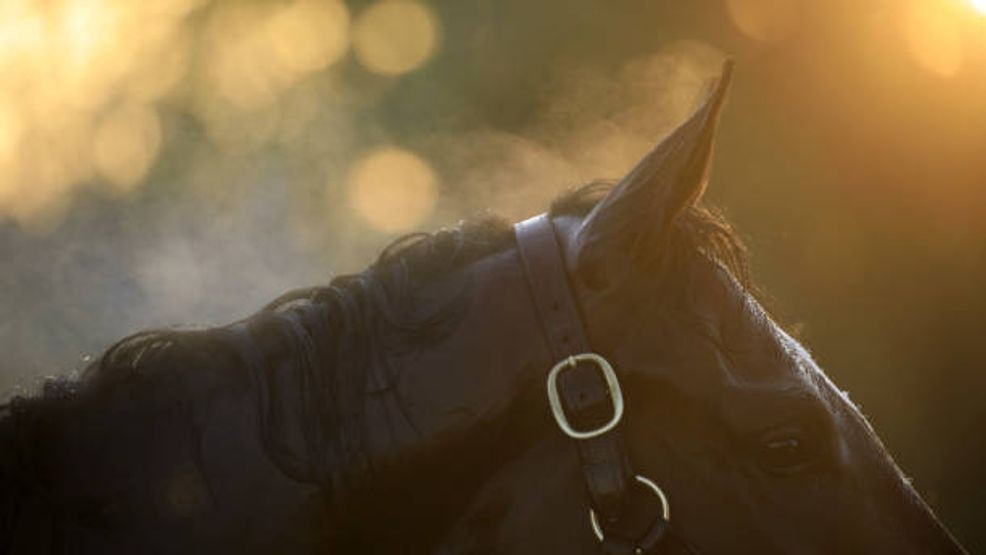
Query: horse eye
[784,454]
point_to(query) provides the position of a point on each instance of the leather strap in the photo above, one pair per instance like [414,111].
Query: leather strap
[583,389]
[628,519]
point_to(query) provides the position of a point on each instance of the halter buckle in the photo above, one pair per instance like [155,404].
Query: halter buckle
[612,382]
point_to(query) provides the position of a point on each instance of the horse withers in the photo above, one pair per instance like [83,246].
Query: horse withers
[406,409]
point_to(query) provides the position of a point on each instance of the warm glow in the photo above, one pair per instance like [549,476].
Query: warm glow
[933,38]
[125,145]
[168,61]
[980,5]
[395,36]
[241,65]
[764,20]
[393,190]
[309,34]
[82,81]
[11,127]
[256,51]
[67,66]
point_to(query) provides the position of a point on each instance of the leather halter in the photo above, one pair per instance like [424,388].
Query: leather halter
[587,403]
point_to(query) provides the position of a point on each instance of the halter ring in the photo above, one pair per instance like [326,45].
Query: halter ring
[665,506]
[612,382]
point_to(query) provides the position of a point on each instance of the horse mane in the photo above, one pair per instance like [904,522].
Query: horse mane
[412,260]
[334,332]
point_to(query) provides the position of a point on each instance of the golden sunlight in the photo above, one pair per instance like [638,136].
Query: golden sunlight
[256,52]
[392,189]
[310,35]
[933,38]
[66,64]
[979,5]
[395,36]
[768,21]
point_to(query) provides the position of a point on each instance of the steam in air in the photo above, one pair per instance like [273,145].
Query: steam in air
[180,163]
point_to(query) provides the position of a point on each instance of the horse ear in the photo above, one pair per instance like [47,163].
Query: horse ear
[631,223]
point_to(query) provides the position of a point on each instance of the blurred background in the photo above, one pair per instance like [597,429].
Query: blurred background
[181,162]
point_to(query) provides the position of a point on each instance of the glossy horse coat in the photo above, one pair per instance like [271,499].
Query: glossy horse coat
[403,409]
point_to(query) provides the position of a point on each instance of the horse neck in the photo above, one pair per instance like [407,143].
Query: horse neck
[460,409]
[340,403]
[27,518]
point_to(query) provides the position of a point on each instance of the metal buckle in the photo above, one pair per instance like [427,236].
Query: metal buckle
[665,506]
[615,393]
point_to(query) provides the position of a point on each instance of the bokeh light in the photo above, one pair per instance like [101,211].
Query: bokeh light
[256,51]
[769,21]
[395,36]
[310,34]
[392,189]
[933,37]
[83,79]
[69,65]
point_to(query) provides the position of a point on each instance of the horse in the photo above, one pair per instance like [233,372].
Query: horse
[598,379]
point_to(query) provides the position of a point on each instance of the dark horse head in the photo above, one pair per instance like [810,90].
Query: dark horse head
[403,409]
